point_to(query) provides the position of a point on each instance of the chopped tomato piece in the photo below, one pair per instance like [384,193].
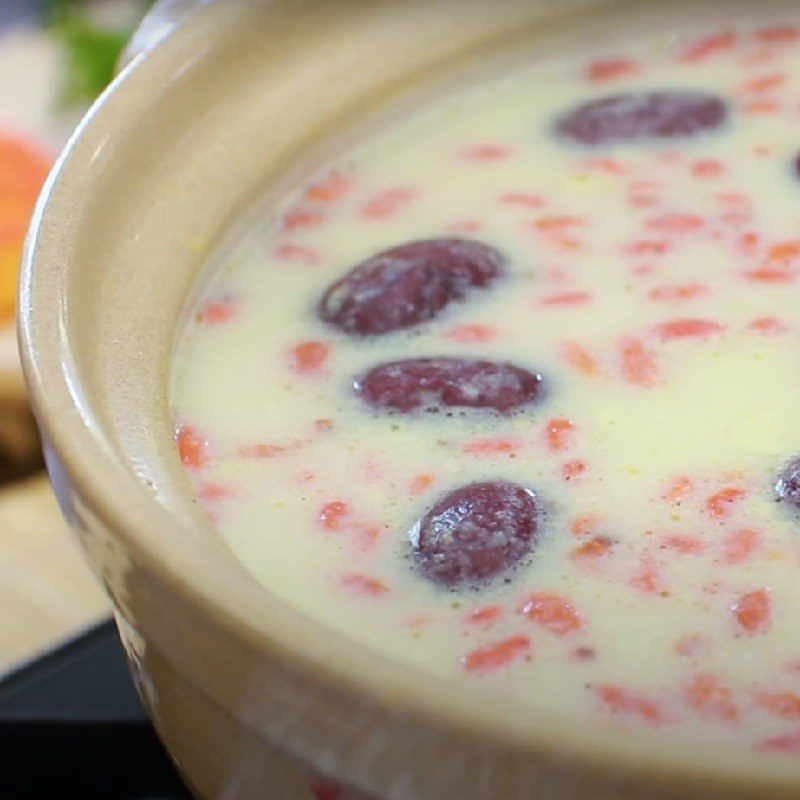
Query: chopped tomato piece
[767,325]
[687,545]
[297,254]
[332,187]
[594,548]
[738,546]
[498,655]
[710,46]
[217,312]
[524,199]
[309,357]
[785,705]
[580,359]
[788,744]
[573,469]
[687,329]
[364,585]
[707,168]
[676,292]
[676,223]
[679,490]
[719,504]
[420,483]
[486,152]
[332,515]
[388,204]
[610,69]
[779,33]
[567,299]
[628,702]
[192,447]
[753,611]
[492,446]
[472,333]
[559,433]
[552,612]
[485,616]
[300,217]
[711,698]
[770,275]
[638,363]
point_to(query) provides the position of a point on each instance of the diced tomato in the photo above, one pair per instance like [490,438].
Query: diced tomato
[638,363]
[628,702]
[297,254]
[687,329]
[719,504]
[594,548]
[524,199]
[573,469]
[565,299]
[710,46]
[687,545]
[364,585]
[610,69]
[580,359]
[492,446]
[261,450]
[753,611]
[472,333]
[785,705]
[771,275]
[648,578]
[552,612]
[217,312]
[763,83]
[559,223]
[767,325]
[676,292]
[215,492]
[739,546]
[332,515]
[691,645]
[192,447]
[676,223]
[584,526]
[711,698]
[308,357]
[678,490]
[301,217]
[484,616]
[779,33]
[486,152]
[332,187]
[559,434]
[788,744]
[420,483]
[388,204]
[497,656]
[707,168]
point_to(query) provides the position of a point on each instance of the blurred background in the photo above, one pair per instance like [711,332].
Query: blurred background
[56,56]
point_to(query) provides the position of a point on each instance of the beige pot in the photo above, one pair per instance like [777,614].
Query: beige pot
[250,696]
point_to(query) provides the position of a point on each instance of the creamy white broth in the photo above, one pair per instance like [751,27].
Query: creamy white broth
[653,284]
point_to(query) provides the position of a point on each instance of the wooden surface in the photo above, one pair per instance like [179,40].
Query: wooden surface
[46,591]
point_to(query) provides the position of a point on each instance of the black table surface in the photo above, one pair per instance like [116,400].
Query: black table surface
[71,725]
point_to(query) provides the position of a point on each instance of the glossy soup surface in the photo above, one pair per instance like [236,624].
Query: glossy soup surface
[585,500]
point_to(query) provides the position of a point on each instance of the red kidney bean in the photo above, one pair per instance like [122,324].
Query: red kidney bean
[635,116]
[476,533]
[432,384]
[787,487]
[407,285]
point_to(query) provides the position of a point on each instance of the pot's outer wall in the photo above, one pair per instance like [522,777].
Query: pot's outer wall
[249,695]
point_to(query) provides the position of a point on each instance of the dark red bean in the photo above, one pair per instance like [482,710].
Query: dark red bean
[787,487]
[476,533]
[407,285]
[431,384]
[633,116]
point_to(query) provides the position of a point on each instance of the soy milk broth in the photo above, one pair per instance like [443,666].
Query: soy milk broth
[654,286]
